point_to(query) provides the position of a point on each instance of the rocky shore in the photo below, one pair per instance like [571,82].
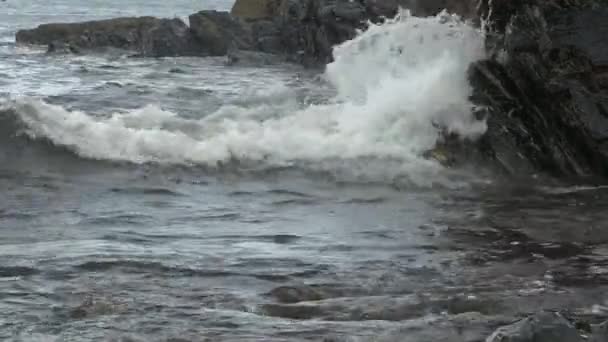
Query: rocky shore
[543,88]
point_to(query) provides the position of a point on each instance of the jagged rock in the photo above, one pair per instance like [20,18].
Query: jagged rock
[547,108]
[147,36]
[310,28]
[219,31]
[542,327]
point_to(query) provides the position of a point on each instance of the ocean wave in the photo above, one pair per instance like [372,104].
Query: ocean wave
[399,86]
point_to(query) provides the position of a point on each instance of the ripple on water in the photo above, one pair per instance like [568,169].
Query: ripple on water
[17,271]
[146,191]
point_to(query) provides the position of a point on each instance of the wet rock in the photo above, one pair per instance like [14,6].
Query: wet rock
[251,58]
[146,36]
[219,31]
[92,306]
[62,48]
[266,36]
[547,110]
[311,28]
[293,294]
[170,38]
[599,332]
[292,311]
[542,327]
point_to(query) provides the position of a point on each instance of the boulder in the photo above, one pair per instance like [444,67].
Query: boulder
[295,294]
[146,36]
[219,31]
[542,327]
[256,9]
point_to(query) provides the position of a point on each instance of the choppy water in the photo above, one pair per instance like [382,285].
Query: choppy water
[180,199]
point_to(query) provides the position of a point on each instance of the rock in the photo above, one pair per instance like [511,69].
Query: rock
[256,9]
[146,36]
[170,38]
[291,311]
[310,28]
[599,332]
[62,48]
[267,36]
[295,294]
[219,31]
[251,58]
[547,106]
[542,327]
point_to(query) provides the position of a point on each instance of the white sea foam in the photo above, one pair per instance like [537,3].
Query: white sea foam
[398,84]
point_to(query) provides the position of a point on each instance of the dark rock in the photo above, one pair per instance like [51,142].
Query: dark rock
[293,294]
[542,327]
[219,31]
[146,36]
[170,38]
[292,311]
[310,28]
[546,100]
[62,48]
[267,36]
[256,9]
[599,332]
[251,58]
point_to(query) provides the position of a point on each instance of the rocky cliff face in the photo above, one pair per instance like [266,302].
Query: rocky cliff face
[545,87]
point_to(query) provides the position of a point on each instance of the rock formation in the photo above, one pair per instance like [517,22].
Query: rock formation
[147,36]
[545,87]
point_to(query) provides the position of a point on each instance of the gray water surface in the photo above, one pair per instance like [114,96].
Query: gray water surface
[113,251]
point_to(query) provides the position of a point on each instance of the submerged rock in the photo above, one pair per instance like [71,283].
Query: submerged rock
[251,58]
[542,327]
[295,294]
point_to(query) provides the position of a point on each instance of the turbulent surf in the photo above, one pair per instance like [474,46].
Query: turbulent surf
[399,86]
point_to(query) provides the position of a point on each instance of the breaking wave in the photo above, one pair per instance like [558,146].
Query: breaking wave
[399,85]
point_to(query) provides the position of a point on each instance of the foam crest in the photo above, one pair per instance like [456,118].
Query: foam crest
[399,85]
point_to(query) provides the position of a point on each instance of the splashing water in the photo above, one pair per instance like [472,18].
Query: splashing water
[399,84]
